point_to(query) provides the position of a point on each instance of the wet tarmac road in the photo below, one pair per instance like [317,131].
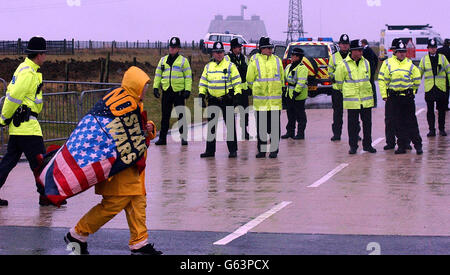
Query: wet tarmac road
[313,199]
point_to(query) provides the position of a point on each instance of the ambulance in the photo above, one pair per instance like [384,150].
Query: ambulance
[415,37]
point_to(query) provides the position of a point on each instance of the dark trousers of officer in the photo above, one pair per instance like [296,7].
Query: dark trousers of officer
[296,114]
[244,123]
[353,127]
[405,121]
[268,128]
[389,122]
[374,91]
[432,96]
[171,99]
[30,145]
[222,103]
[338,112]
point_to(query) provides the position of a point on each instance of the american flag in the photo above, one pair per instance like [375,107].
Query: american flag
[88,157]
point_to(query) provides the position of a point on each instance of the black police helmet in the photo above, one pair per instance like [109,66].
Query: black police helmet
[36,45]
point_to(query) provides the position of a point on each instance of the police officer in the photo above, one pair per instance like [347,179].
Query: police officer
[238,59]
[220,85]
[353,79]
[336,95]
[399,80]
[20,111]
[175,76]
[436,70]
[372,57]
[445,50]
[265,76]
[296,76]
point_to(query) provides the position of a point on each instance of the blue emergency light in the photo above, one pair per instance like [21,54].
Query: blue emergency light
[303,39]
[327,39]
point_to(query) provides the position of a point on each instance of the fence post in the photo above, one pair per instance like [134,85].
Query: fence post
[160,50]
[90,45]
[102,70]
[134,61]
[126,44]
[107,68]
[19,46]
[66,86]
[73,46]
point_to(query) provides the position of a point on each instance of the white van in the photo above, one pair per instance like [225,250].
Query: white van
[418,35]
[207,43]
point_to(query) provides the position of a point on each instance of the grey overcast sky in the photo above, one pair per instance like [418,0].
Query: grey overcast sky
[120,20]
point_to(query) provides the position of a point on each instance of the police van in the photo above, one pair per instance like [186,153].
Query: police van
[415,37]
[207,43]
[317,53]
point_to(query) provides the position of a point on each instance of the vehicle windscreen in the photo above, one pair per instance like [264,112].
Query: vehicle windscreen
[314,51]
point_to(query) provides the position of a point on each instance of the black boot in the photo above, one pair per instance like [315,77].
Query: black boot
[161,142]
[389,147]
[442,133]
[146,250]
[184,142]
[369,149]
[335,138]
[431,133]
[3,202]
[207,154]
[260,155]
[273,155]
[287,135]
[232,155]
[352,150]
[300,136]
[83,245]
[400,151]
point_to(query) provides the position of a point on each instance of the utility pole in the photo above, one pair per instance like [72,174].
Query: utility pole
[295,21]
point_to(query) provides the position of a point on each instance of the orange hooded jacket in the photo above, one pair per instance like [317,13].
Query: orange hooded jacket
[129,182]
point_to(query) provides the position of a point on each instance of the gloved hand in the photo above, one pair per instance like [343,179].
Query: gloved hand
[284,91]
[295,95]
[202,96]
[186,94]
[156,92]
[248,92]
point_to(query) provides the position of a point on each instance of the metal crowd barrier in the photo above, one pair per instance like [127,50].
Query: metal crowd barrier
[61,111]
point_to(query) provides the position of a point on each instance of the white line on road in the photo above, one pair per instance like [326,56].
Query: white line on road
[420,111]
[253,223]
[329,175]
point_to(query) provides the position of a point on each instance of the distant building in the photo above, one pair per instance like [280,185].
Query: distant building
[251,29]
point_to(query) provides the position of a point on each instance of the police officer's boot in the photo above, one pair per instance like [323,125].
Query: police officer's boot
[260,155]
[161,141]
[273,155]
[3,202]
[369,149]
[232,155]
[184,142]
[442,133]
[288,135]
[207,154]
[335,138]
[431,133]
[389,147]
[400,151]
[353,150]
[300,136]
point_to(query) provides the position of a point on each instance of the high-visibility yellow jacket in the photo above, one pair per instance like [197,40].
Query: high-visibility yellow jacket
[334,60]
[179,76]
[354,82]
[297,81]
[218,79]
[439,79]
[398,76]
[265,76]
[24,89]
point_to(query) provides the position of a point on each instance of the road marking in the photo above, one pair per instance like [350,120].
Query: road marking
[329,175]
[420,111]
[253,223]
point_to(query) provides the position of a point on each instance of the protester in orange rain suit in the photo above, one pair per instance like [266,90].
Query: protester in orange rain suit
[124,191]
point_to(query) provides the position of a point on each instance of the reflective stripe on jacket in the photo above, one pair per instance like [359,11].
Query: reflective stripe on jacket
[334,60]
[179,76]
[398,76]
[439,79]
[23,90]
[265,76]
[218,79]
[297,81]
[354,82]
